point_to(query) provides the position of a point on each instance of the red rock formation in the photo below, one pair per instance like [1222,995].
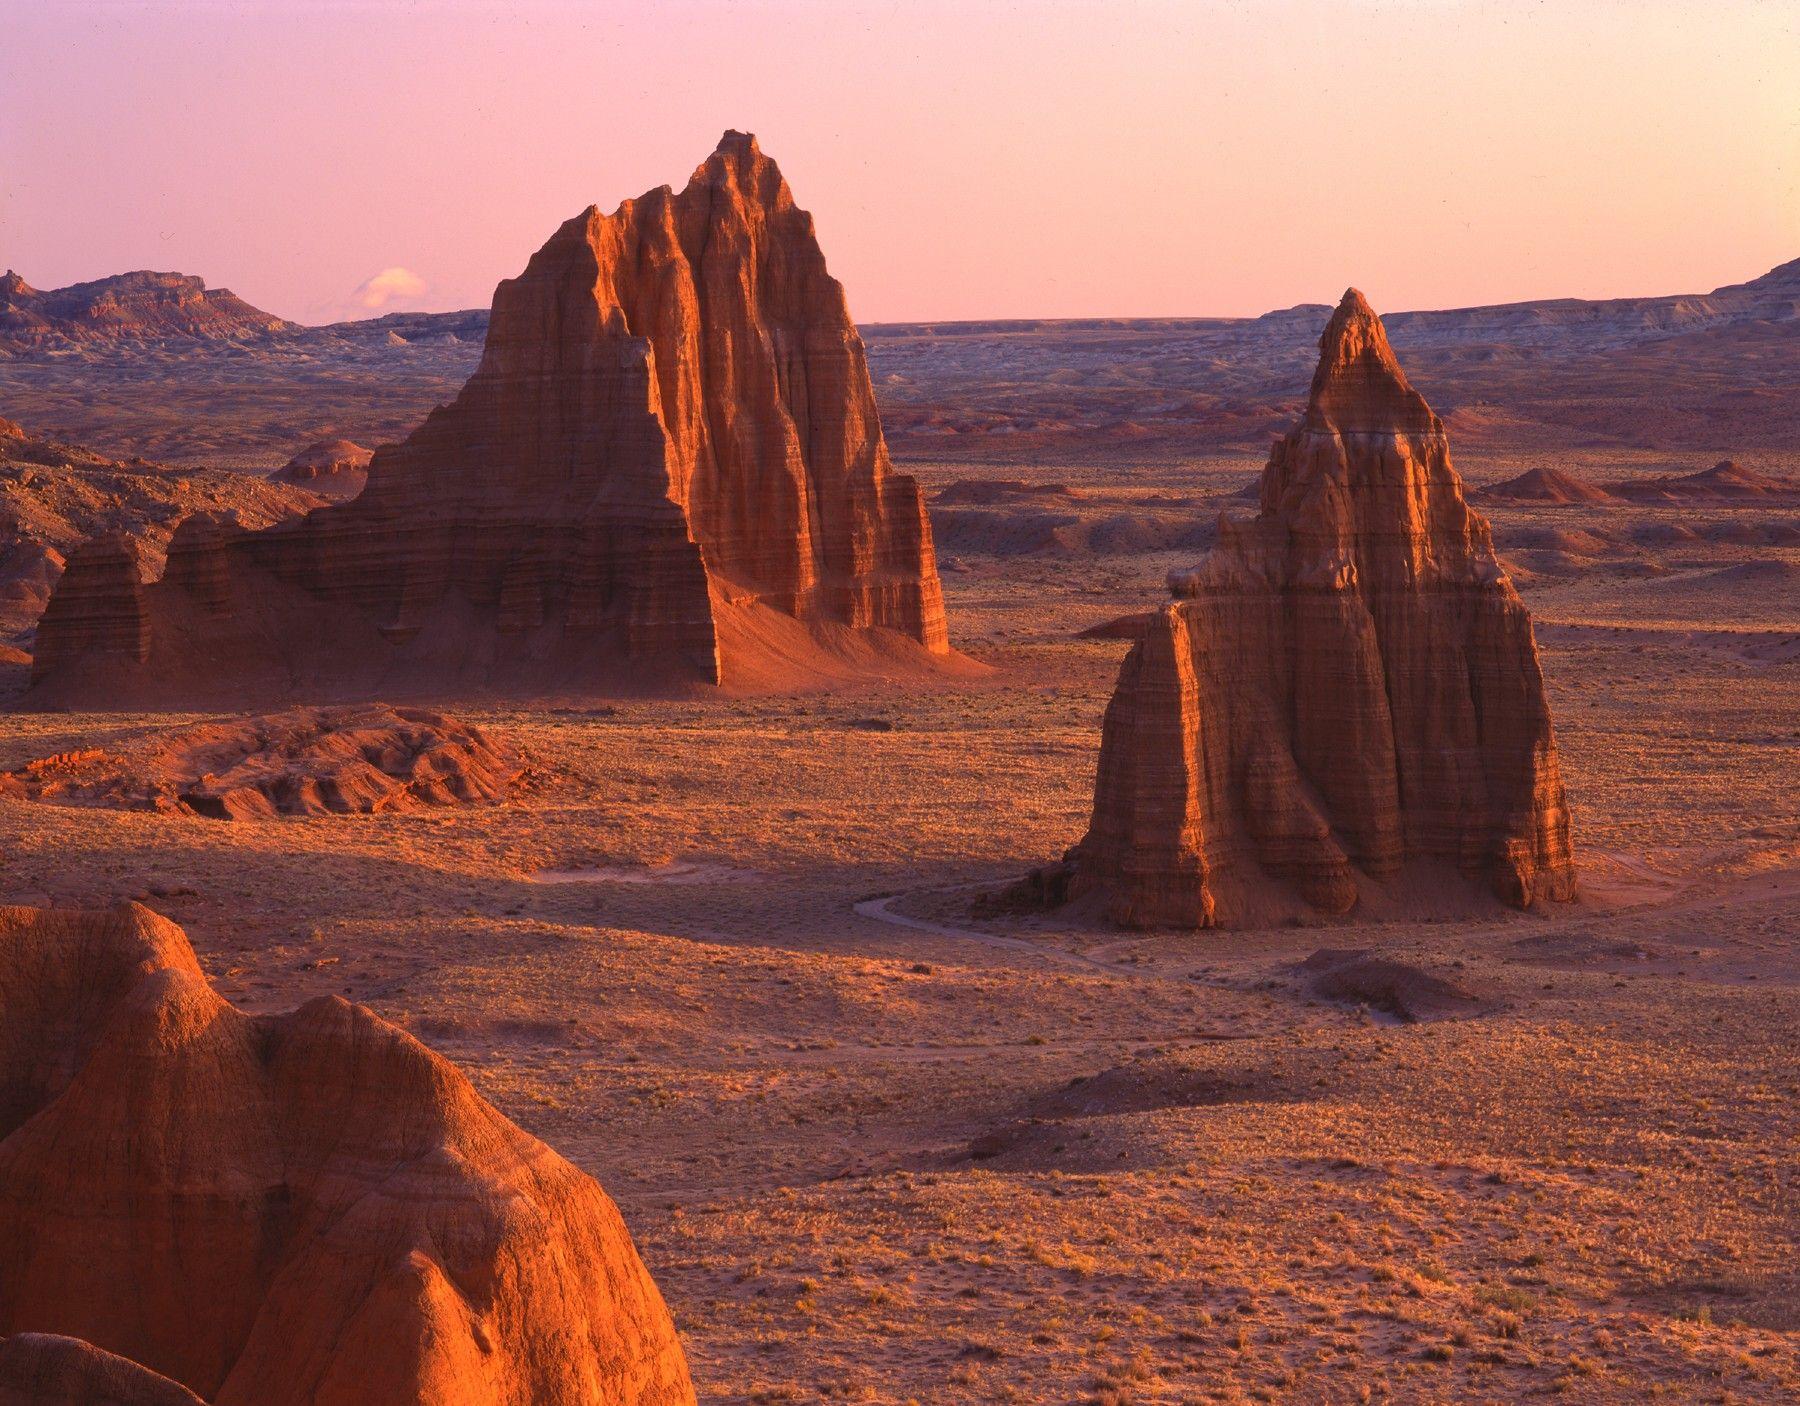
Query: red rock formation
[125,308]
[354,759]
[57,497]
[310,1208]
[1347,686]
[672,420]
[43,1369]
[97,613]
[335,466]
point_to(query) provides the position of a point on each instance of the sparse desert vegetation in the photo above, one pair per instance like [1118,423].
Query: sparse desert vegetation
[852,1152]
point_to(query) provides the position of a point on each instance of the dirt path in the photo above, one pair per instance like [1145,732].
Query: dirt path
[880,910]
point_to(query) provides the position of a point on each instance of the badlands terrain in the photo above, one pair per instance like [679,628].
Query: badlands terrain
[748,957]
[721,954]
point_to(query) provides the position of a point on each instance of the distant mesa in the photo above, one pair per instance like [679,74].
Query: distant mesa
[668,470]
[332,466]
[354,759]
[1725,481]
[309,1209]
[126,308]
[1344,700]
[1550,486]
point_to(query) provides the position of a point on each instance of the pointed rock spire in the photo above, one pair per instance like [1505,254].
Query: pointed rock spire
[1347,688]
[1359,387]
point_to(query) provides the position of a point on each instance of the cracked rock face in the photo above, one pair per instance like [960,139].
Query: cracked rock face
[1346,689]
[269,1211]
[672,422]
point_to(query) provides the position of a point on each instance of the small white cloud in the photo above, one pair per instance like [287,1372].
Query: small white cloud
[391,285]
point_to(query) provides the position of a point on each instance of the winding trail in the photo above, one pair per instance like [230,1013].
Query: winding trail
[880,910]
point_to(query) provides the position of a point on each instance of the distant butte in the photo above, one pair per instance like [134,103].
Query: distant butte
[1345,692]
[668,469]
[330,466]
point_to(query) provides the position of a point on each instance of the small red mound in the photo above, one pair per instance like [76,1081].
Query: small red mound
[1548,486]
[1394,988]
[1725,480]
[309,761]
[334,466]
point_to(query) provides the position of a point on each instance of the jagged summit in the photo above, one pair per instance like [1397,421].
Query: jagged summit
[1345,692]
[1359,387]
[669,454]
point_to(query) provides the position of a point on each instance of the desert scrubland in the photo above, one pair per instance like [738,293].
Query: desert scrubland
[749,955]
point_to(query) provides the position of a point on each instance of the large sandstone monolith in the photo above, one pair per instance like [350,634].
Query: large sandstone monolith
[668,467]
[310,1209]
[1344,693]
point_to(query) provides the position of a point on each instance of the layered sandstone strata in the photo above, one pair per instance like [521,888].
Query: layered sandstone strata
[307,1208]
[1347,687]
[334,466]
[97,611]
[354,759]
[123,309]
[672,420]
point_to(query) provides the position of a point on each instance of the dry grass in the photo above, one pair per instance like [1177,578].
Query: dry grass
[1588,1192]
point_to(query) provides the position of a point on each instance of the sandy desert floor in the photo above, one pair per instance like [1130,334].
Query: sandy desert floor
[724,955]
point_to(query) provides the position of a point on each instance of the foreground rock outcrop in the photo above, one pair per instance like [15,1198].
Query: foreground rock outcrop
[353,759]
[308,1208]
[46,1369]
[1346,690]
[668,467]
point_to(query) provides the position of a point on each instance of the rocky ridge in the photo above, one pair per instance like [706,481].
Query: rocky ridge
[55,497]
[358,759]
[125,309]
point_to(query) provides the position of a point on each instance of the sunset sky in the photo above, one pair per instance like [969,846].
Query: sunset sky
[969,158]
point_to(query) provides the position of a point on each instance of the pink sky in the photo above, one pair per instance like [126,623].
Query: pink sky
[984,158]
